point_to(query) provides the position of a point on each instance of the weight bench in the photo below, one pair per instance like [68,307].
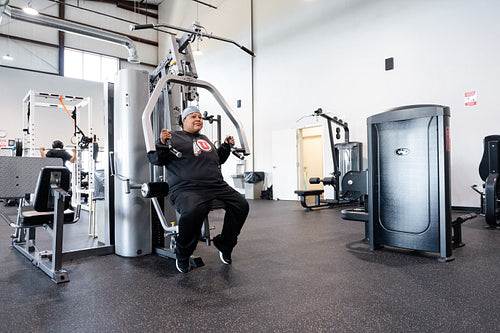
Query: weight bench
[318,202]
[47,210]
[317,199]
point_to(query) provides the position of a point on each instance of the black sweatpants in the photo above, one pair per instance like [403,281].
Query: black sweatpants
[194,205]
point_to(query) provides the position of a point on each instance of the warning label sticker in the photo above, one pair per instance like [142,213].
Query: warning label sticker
[470,98]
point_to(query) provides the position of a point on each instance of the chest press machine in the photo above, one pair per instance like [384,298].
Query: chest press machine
[172,86]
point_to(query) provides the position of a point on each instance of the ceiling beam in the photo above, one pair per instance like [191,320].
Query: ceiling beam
[126,6]
[137,4]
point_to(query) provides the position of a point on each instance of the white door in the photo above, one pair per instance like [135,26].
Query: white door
[284,158]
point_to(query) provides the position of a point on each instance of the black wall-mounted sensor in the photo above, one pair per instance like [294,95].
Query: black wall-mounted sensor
[389,64]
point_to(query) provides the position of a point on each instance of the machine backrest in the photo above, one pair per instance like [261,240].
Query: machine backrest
[50,178]
[19,174]
[490,162]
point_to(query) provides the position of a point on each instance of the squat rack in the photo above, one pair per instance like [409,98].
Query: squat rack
[35,100]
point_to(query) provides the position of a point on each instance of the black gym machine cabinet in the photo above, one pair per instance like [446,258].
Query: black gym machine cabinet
[407,185]
[489,171]
[352,162]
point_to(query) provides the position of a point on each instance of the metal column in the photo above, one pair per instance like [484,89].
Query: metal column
[131,165]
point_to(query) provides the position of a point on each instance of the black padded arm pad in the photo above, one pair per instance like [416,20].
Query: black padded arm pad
[154,189]
[161,156]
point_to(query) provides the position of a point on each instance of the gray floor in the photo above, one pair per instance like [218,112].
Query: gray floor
[293,271]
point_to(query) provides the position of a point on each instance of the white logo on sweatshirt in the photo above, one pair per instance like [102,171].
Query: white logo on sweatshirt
[199,145]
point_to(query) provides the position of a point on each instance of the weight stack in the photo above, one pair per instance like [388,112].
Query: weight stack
[349,156]
[409,179]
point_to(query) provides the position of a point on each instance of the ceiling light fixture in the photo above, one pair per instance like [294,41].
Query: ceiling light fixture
[30,10]
[7,57]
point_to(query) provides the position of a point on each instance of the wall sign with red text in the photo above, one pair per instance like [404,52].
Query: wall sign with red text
[470,98]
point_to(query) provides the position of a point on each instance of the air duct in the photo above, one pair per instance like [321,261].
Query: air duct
[3,5]
[73,28]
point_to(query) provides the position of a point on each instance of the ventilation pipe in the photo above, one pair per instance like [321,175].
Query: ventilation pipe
[73,28]
[3,5]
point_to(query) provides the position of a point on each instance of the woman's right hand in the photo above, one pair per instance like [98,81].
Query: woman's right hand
[165,135]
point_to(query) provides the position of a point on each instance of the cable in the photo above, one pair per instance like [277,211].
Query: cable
[64,106]
[85,140]
[309,115]
[206,4]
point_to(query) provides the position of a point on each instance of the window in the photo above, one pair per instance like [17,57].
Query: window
[89,66]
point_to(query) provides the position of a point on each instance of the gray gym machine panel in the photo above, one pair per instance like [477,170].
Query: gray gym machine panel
[130,165]
[409,179]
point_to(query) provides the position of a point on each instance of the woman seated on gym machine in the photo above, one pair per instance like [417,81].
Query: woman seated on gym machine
[195,179]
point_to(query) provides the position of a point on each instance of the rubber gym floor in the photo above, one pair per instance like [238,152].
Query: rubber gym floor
[292,271]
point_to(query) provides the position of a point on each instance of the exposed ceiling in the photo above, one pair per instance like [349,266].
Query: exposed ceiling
[209,3]
[153,2]
[146,2]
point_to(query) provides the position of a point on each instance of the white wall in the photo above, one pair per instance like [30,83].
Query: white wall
[330,54]
[51,124]
[223,65]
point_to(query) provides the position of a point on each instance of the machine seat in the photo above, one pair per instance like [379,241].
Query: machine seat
[31,218]
[42,211]
[318,202]
[308,192]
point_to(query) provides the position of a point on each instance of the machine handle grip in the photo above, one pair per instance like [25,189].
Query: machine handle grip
[235,151]
[168,146]
[248,51]
[241,151]
[237,154]
[141,26]
[174,151]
